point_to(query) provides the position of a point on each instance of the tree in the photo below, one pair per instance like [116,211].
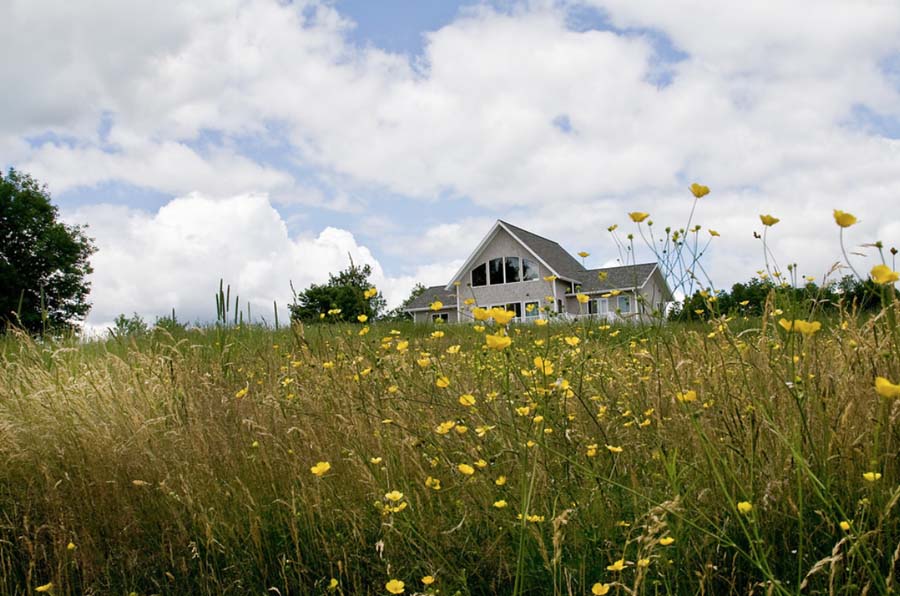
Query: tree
[44,263]
[344,292]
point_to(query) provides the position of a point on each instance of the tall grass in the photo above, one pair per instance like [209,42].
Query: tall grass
[175,463]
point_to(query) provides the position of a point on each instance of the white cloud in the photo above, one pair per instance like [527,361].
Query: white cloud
[150,263]
[761,108]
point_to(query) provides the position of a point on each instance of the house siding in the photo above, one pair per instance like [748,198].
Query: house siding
[424,316]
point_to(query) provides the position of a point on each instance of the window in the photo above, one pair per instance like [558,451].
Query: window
[516,307]
[600,306]
[530,270]
[441,316]
[512,269]
[559,305]
[496,269]
[479,275]
[532,310]
[625,303]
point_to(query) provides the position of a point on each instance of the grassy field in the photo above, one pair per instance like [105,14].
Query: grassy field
[734,457]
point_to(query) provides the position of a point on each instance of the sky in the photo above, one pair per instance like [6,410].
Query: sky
[268,142]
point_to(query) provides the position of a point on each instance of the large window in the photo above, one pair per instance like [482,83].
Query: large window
[495,266]
[512,269]
[625,303]
[505,270]
[479,275]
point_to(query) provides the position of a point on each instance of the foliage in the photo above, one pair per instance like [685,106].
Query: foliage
[128,326]
[749,299]
[342,298]
[43,262]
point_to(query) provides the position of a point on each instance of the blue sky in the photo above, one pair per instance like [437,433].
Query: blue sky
[398,131]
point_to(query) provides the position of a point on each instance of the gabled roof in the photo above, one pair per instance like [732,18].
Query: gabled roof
[423,301]
[616,278]
[556,257]
[548,252]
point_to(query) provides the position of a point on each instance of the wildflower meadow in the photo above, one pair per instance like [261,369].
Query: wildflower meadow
[744,454]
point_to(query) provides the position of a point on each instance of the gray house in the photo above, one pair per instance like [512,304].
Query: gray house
[535,276]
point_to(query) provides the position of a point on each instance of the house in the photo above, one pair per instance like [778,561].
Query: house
[534,276]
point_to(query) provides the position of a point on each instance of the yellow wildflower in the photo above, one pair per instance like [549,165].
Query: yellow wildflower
[480,314]
[394,496]
[550,278]
[845,526]
[436,305]
[500,481]
[768,220]
[467,399]
[465,469]
[543,365]
[582,298]
[614,449]
[540,322]
[502,316]
[48,587]
[885,388]
[443,382]
[444,427]
[882,274]
[698,190]
[573,341]
[686,396]
[638,216]
[321,468]
[241,393]
[600,589]
[584,254]
[807,328]
[500,504]
[745,507]
[666,541]
[844,219]
[872,476]
[497,342]
[428,580]
[617,566]
[362,318]
[394,586]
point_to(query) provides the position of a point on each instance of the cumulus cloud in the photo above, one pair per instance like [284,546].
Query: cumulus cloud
[150,263]
[557,128]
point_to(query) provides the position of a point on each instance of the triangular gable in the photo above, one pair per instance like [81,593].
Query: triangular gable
[500,225]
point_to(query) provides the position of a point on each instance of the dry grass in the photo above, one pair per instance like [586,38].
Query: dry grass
[138,453]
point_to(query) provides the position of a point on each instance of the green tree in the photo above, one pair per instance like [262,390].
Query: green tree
[44,263]
[345,291]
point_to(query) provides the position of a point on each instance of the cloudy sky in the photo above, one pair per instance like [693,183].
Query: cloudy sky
[264,141]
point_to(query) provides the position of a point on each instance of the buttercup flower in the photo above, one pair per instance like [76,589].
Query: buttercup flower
[600,589]
[497,342]
[436,305]
[617,566]
[394,586]
[638,216]
[882,274]
[745,507]
[844,219]
[698,190]
[885,388]
[768,220]
[872,476]
[321,468]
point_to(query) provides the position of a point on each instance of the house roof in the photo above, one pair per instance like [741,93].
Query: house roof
[559,260]
[423,301]
[616,278]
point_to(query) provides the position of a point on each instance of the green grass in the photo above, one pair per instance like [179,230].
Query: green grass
[138,453]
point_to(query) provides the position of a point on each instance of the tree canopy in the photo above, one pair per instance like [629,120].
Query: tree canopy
[44,263]
[344,297]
